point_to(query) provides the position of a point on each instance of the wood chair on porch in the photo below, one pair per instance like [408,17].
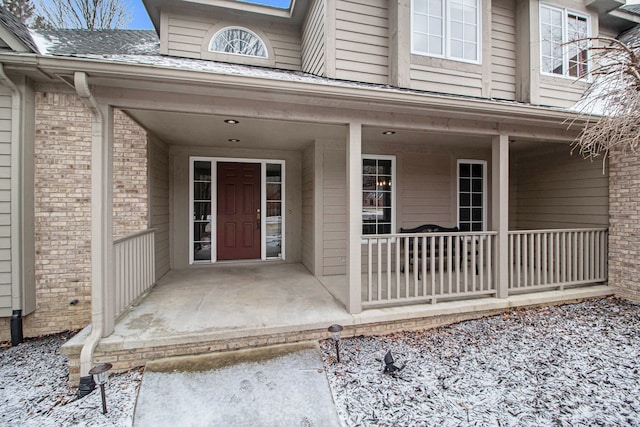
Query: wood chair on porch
[438,249]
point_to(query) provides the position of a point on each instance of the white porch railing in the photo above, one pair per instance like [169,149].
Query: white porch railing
[134,267]
[541,259]
[406,268]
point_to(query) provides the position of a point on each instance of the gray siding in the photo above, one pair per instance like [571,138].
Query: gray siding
[159,202]
[5,203]
[308,207]
[334,221]
[557,190]
[441,75]
[503,49]
[362,45]
[425,195]
[186,37]
[560,92]
[313,39]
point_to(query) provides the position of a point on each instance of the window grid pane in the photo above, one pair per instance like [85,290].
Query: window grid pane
[463,18]
[558,55]
[428,26]
[377,196]
[471,197]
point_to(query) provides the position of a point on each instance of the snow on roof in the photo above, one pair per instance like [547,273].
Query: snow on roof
[142,47]
[18,29]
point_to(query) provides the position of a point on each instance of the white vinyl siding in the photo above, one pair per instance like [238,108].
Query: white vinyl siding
[503,50]
[446,28]
[5,204]
[159,203]
[362,45]
[559,92]
[313,40]
[186,36]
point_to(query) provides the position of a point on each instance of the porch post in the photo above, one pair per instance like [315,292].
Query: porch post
[354,215]
[500,210]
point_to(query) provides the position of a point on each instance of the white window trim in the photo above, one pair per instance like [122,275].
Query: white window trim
[236,27]
[214,205]
[445,37]
[565,53]
[484,190]
[393,192]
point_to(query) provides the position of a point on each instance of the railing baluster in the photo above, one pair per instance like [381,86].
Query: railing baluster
[369,270]
[432,263]
[389,249]
[379,268]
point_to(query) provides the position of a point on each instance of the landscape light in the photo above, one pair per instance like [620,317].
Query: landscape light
[101,376]
[335,330]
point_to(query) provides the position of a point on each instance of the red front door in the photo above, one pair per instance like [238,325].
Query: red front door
[238,221]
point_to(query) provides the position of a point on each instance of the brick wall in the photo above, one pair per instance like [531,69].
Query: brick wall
[624,224]
[63,209]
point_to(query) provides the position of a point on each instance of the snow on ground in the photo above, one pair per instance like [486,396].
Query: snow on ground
[34,389]
[568,365]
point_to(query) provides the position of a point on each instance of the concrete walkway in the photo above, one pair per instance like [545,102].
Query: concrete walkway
[271,386]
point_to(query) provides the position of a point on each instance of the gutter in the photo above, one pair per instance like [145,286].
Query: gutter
[329,90]
[17,297]
[87,384]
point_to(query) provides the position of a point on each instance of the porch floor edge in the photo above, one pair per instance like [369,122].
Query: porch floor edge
[352,323]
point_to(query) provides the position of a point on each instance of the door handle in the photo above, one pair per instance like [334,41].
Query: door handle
[258,218]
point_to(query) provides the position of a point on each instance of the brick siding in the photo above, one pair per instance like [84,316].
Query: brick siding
[63,207]
[624,224]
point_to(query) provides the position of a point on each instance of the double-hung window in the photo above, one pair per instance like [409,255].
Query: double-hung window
[563,44]
[446,28]
[378,198]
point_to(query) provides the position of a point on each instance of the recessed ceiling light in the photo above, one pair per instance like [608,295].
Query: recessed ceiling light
[388,132]
[233,140]
[232,121]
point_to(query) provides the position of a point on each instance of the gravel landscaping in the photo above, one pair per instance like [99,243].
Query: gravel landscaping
[569,365]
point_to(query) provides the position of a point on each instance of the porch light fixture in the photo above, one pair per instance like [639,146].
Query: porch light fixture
[388,132]
[232,121]
[101,376]
[335,330]
[233,140]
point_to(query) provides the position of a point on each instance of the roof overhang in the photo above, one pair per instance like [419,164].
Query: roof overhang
[328,101]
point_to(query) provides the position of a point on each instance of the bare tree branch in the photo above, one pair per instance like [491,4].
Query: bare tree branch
[89,14]
[611,107]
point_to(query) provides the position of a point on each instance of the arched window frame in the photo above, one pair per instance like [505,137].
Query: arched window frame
[214,31]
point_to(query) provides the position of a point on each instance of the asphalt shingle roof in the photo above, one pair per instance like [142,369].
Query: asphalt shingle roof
[100,42]
[631,8]
[17,28]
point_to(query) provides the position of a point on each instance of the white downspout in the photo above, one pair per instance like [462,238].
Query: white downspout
[17,296]
[97,286]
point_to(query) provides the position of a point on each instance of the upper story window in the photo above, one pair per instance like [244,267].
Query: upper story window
[563,46]
[446,28]
[238,41]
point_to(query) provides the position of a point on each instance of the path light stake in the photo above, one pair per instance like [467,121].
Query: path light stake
[335,330]
[101,376]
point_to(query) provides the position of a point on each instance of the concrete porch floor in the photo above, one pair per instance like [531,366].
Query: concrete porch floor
[226,307]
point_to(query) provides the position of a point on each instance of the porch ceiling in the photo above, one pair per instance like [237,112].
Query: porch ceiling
[189,129]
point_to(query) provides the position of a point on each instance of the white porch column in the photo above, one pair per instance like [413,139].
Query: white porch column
[500,210]
[354,215]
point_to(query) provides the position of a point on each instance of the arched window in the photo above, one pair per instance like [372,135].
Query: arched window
[238,41]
